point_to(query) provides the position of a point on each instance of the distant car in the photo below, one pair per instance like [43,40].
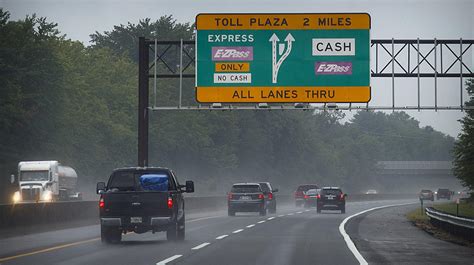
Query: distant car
[269,193]
[299,193]
[369,192]
[331,198]
[463,194]
[246,197]
[311,198]
[426,195]
[443,194]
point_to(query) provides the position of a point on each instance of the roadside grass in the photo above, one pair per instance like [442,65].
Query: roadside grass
[466,209]
[422,221]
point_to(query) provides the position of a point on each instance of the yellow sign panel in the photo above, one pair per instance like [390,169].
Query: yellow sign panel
[232,67]
[282,21]
[283,94]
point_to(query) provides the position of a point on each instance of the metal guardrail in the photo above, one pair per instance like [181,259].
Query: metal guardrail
[449,218]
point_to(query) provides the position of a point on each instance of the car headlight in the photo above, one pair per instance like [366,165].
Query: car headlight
[16,197]
[47,196]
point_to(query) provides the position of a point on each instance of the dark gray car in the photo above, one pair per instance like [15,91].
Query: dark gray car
[246,197]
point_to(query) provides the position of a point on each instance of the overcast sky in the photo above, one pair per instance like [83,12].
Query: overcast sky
[448,19]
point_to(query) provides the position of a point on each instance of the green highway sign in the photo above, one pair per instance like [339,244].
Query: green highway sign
[244,58]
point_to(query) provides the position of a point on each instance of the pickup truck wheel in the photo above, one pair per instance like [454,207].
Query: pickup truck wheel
[230,212]
[343,209]
[172,232]
[181,233]
[263,212]
[110,235]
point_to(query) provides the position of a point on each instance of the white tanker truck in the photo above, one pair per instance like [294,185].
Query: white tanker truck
[46,181]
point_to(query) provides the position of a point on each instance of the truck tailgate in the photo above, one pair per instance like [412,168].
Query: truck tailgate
[137,204]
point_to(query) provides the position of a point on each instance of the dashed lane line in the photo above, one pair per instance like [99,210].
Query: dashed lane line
[221,237]
[261,222]
[169,259]
[201,246]
[250,226]
[271,218]
[237,231]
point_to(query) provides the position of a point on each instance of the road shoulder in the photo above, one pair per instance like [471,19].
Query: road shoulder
[385,236]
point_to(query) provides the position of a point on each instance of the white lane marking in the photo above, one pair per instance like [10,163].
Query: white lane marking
[290,214]
[238,231]
[204,218]
[307,211]
[299,212]
[261,222]
[221,237]
[201,246]
[250,226]
[271,218]
[347,238]
[281,215]
[169,259]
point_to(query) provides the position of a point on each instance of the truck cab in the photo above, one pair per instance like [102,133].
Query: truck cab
[45,181]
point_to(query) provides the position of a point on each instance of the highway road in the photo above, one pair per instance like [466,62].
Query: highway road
[292,236]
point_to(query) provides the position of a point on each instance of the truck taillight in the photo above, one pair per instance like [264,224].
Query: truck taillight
[318,196]
[229,196]
[170,203]
[342,196]
[306,197]
[260,196]
[101,203]
[270,196]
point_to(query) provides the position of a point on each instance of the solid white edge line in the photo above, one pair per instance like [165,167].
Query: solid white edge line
[250,226]
[201,246]
[169,259]
[238,231]
[261,222]
[221,237]
[347,238]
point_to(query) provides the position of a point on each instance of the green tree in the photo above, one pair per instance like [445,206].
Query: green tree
[464,147]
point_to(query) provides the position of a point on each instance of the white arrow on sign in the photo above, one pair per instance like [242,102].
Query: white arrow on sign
[276,64]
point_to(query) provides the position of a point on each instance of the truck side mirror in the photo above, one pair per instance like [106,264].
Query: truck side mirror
[12,179]
[189,186]
[275,190]
[100,188]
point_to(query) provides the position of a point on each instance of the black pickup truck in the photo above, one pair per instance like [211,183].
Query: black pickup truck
[141,200]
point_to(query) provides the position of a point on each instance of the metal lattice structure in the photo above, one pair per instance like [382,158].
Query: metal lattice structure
[432,59]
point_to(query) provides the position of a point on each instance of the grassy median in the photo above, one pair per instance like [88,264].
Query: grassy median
[466,209]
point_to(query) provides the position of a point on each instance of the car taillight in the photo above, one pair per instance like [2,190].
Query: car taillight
[306,197]
[229,197]
[260,196]
[101,203]
[270,196]
[170,203]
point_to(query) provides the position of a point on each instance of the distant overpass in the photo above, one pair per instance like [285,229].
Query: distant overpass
[415,175]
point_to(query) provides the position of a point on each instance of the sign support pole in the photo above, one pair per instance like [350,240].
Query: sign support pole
[143,82]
